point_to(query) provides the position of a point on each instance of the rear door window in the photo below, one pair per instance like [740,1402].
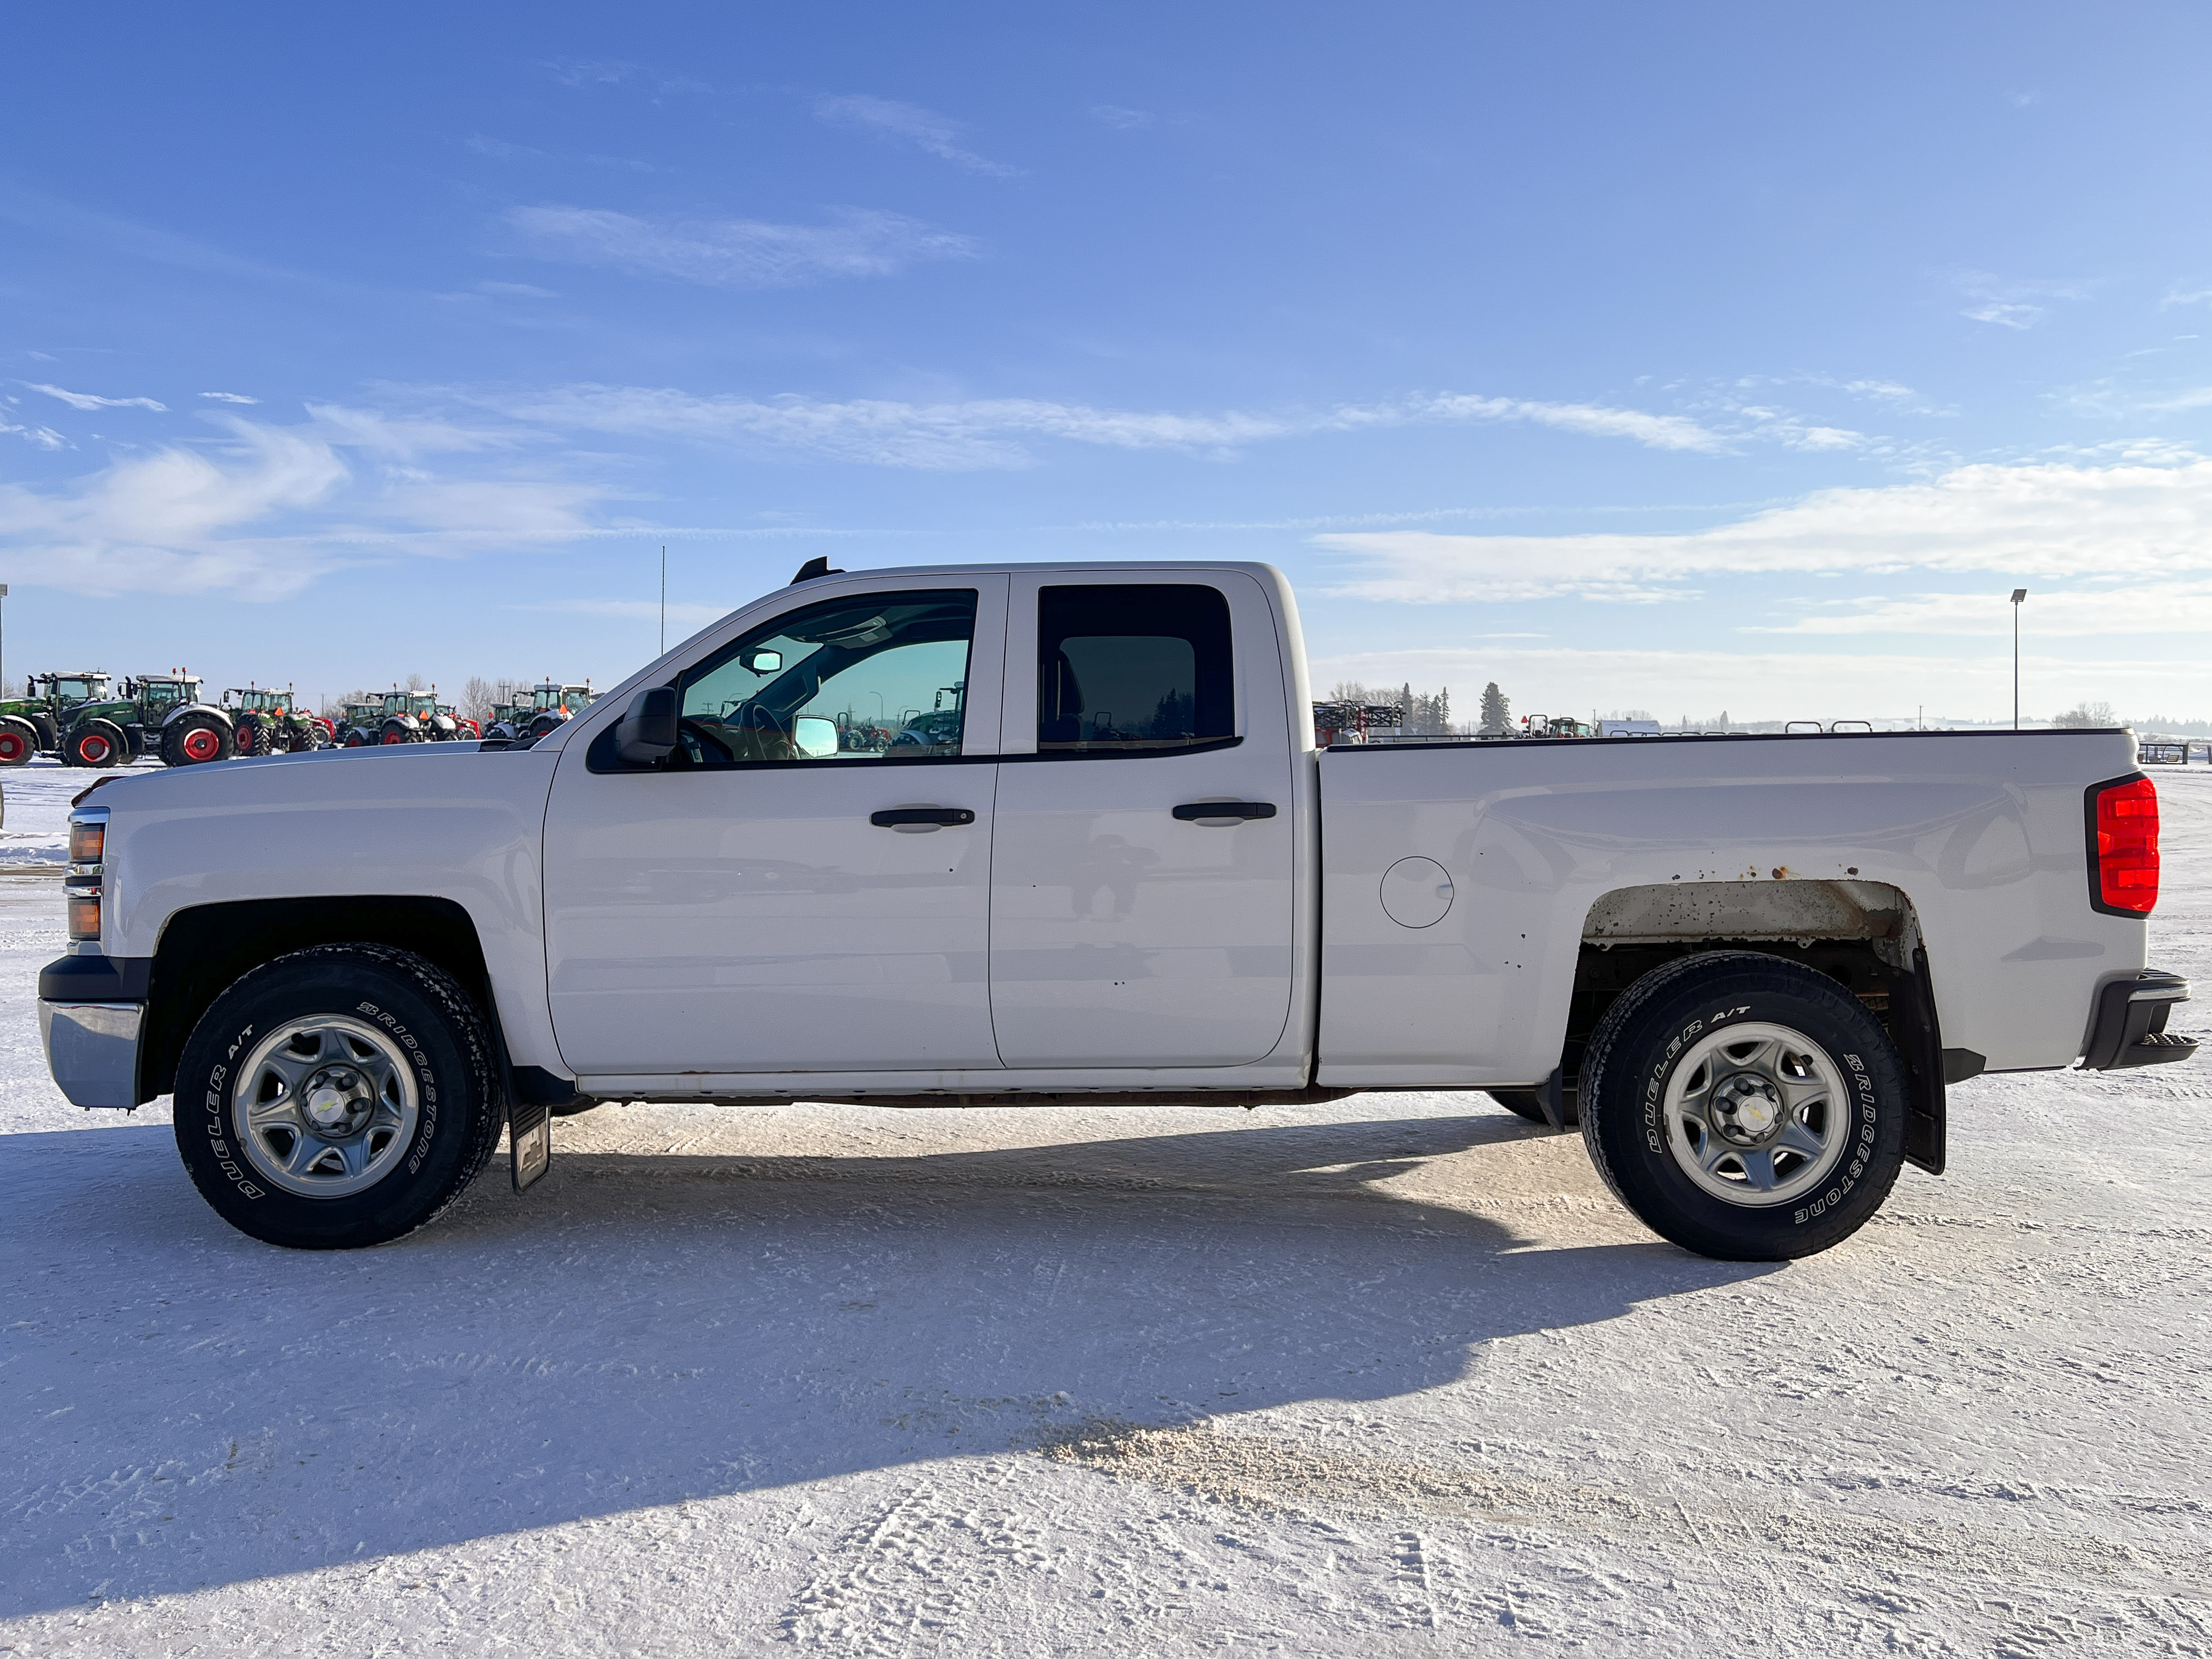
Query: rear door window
[1133,669]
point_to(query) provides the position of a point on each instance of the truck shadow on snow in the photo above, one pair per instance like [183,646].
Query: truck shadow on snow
[195,1409]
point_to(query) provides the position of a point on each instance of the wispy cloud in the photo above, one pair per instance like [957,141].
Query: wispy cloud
[2009,302]
[1127,120]
[2071,611]
[86,400]
[633,610]
[39,437]
[925,129]
[1003,432]
[2048,520]
[264,511]
[738,252]
[589,71]
[1778,685]
[230,397]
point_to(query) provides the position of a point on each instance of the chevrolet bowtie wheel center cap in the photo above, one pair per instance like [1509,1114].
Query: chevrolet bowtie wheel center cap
[338,1102]
[1747,1107]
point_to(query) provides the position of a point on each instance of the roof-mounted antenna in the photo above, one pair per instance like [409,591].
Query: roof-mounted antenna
[812,569]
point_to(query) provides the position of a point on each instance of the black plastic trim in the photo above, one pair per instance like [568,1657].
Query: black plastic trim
[1962,1065]
[892,817]
[1198,810]
[597,759]
[97,979]
[2124,1032]
[2089,844]
[1919,1037]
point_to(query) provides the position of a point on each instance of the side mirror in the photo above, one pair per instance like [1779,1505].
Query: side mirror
[646,735]
[813,738]
[763,662]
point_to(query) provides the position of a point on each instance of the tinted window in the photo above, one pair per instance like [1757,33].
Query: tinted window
[880,677]
[1128,669]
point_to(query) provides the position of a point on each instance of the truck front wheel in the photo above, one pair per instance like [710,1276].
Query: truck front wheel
[1744,1106]
[337,1097]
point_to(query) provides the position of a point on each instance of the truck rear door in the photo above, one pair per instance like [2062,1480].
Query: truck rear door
[1142,902]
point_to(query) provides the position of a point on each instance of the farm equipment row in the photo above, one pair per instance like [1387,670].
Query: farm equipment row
[85,720]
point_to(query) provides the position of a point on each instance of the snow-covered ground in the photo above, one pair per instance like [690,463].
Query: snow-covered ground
[1393,1375]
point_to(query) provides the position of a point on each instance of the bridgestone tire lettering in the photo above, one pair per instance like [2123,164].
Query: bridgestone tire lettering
[461,1104]
[1630,1064]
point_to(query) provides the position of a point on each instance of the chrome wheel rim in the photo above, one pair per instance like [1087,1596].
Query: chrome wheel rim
[325,1107]
[1756,1115]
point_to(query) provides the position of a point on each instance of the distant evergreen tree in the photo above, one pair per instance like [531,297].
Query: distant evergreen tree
[1497,713]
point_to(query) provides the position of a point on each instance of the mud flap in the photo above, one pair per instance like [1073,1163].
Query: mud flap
[529,1140]
[1553,1097]
[1928,1068]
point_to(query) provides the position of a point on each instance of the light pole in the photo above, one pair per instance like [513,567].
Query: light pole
[2018,594]
[3,641]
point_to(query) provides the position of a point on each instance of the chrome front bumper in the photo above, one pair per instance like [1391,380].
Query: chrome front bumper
[92,1050]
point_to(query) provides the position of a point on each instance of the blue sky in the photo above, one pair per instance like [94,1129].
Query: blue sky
[1686,358]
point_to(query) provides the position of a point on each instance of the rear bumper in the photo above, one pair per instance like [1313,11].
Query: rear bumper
[92,1050]
[2127,1026]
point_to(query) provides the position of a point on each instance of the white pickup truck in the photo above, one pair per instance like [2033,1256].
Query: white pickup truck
[1050,834]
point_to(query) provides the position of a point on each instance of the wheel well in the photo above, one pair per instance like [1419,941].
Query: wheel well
[204,948]
[1865,935]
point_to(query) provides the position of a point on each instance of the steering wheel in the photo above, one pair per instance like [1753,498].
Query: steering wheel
[700,744]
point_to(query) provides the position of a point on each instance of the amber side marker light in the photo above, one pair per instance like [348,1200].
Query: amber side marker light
[2124,847]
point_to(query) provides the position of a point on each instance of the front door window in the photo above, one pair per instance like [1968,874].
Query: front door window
[879,677]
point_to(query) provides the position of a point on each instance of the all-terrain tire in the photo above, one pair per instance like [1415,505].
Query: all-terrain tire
[385,1006]
[19,741]
[252,737]
[97,743]
[1693,1043]
[196,739]
[397,732]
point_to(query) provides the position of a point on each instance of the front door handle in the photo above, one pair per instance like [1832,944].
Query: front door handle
[1200,810]
[923,817]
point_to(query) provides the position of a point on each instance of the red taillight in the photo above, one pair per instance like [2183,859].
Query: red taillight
[2124,853]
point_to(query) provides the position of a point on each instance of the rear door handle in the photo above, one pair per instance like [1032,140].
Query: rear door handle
[900,817]
[1198,810]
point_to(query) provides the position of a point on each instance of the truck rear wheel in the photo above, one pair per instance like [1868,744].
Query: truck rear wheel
[338,1097]
[1744,1106]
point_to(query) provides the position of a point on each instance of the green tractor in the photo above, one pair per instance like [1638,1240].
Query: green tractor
[356,725]
[271,722]
[33,724]
[550,705]
[160,712]
[402,717]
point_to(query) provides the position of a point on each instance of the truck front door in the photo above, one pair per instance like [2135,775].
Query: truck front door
[805,884]
[1131,926]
